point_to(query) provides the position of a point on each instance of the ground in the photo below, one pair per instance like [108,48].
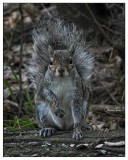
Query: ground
[30,144]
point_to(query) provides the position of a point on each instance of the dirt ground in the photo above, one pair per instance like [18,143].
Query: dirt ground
[30,144]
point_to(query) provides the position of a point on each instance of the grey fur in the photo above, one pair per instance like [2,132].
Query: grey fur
[64,40]
[59,36]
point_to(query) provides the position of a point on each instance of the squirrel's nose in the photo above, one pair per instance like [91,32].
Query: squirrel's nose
[61,70]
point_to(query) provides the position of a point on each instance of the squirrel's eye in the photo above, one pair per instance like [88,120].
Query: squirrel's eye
[70,61]
[51,63]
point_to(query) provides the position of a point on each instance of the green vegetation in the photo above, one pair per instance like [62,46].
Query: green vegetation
[18,124]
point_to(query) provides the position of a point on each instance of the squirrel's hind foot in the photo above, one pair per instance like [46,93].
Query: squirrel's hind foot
[47,132]
[77,135]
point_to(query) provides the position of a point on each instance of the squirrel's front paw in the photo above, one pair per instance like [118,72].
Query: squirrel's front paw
[59,113]
[77,135]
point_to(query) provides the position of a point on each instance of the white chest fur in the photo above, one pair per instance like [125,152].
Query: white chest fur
[62,87]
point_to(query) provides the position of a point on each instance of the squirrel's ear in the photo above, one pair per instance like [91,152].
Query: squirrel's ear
[72,50]
[50,50]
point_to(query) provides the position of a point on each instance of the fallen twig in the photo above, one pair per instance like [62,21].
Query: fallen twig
[113,144]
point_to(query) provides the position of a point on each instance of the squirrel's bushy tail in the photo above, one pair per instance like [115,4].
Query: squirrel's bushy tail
[59,35]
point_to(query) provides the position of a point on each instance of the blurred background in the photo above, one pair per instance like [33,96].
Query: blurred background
[104,26]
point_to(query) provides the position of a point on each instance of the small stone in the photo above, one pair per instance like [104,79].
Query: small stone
[43,145]
[99,146]
[81,146]
[48,144]
[72,145]
[35,155]
[64,145]
[48,149]
[32,143]
[102,151]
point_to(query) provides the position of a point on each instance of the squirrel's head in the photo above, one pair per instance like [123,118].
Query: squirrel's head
[61,61]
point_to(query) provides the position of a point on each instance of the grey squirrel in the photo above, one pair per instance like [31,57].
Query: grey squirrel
[61,71]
